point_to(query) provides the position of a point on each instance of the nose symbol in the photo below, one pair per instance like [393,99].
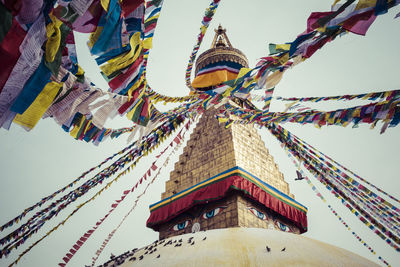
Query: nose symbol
[196,227]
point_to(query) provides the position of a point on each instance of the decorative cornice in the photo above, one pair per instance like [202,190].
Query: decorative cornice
[219,54]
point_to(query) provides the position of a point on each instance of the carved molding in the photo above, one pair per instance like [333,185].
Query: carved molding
[219,54]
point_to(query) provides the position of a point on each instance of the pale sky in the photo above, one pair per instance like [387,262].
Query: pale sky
[37,163]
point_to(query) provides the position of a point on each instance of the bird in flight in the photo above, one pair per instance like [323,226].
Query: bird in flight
[299,176]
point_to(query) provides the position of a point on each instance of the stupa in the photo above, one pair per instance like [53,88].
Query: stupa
[226,203]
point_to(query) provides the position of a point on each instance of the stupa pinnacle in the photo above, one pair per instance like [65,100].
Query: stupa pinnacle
[218,64]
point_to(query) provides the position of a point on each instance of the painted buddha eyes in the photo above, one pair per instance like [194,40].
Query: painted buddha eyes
[258,214]
[181,226]
[206,215]
[212,213]
[283,227]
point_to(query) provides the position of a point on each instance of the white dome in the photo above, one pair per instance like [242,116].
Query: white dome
[240,247]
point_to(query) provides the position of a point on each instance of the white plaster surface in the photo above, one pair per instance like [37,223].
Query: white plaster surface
[241,247]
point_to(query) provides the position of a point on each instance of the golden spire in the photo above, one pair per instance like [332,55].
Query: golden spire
[220,38]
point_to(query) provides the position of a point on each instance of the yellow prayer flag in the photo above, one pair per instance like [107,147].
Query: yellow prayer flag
[387,94]
[53,38]
[365,4]
[222,120]
[321,29]
[134,87]
[105,4]
[74,132]
[124,60]
[87,127]
[130,114]
[242,72]
[94,36]
[152,18]
[357,113]
[331,120]
[284,58]
[148,43]
[80,71]
[334,3]
[283,47]
[36,110]
[227,92]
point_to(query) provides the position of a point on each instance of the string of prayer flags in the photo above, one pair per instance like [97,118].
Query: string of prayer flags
[349,206]
[381,96]
[178,140]
[80,242]
[369,197]
[20,235]
[334,212]
[319,154]
[121,36]
[153,9]
[380,221]
[6,252]
[18,218]
[372,197]
[374,96]
[386,111]
[156,97]
[110,39]
[323,27]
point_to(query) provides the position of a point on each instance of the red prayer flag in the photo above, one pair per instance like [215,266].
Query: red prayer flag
[154,167]
[69,256]
[9,51]
[360,23]
[313,18]
[120,79]
[177,140]
[128,6]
